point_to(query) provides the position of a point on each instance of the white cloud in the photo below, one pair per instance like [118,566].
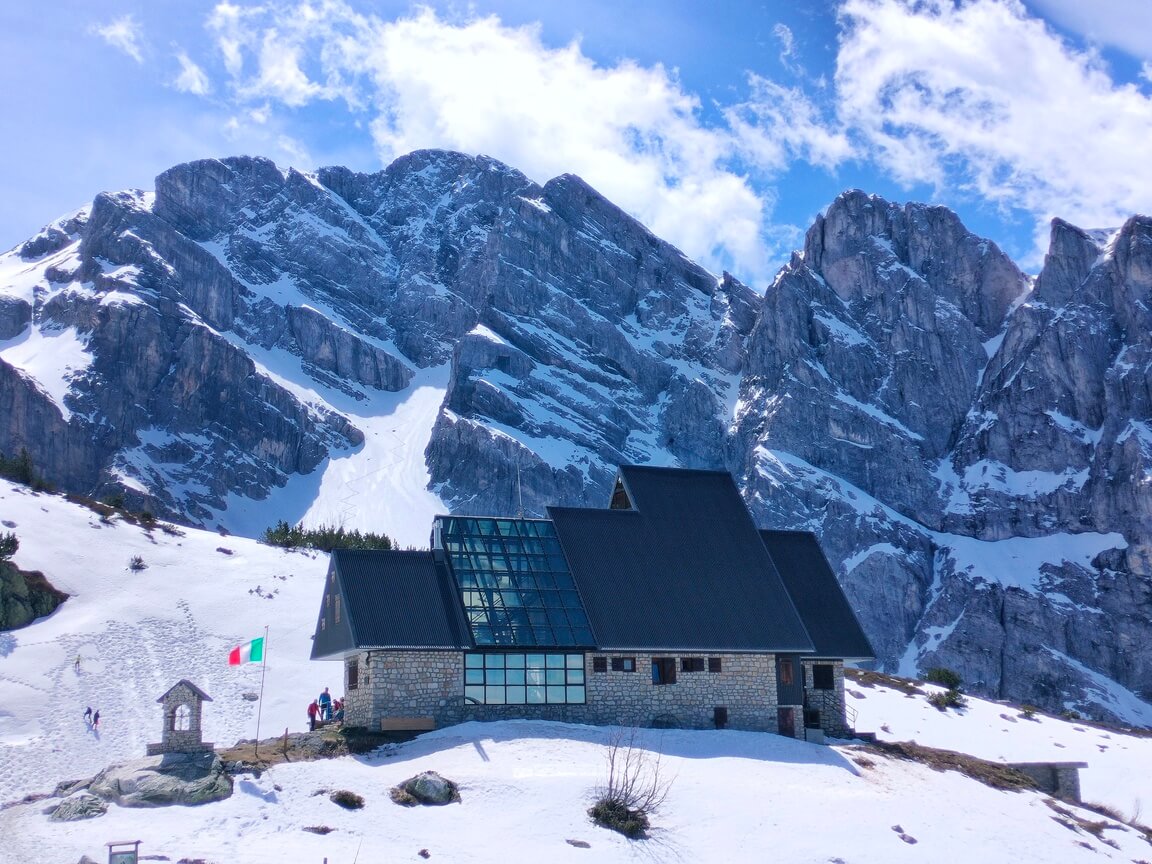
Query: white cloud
[482,87]
[125,34]
[981,97]
[1122,24]
[779,125]
[192,79]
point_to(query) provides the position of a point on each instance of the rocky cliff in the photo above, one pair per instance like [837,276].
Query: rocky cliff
[972,445]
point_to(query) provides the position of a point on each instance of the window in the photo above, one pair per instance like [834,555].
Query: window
[623,664]
[600,664]
[663,670]
[785,669]
[822,677]
[353,676]
[181,719]
[524,679]
[514,582]
[691,664]
[811,718]
[337,610]
[714,664]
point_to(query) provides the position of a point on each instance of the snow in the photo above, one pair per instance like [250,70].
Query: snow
[1019,562]
[1118,764]
[525,785]
[50,357]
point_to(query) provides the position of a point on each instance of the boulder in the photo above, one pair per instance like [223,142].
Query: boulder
[426,788]
[160,781]
[77,807]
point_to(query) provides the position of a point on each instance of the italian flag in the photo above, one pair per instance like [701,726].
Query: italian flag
[253,652]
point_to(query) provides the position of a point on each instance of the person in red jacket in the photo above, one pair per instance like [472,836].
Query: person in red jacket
[313,710]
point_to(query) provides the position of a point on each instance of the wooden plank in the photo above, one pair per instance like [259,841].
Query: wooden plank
[407,724]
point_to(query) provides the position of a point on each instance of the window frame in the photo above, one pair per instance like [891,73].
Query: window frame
[692,664]
[823,669]
[599,664]
[715,665]
[352,674]
[663,671]
[623,664]
[524,678]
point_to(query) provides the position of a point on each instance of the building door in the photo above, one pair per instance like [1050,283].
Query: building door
[789,684]
[786,721]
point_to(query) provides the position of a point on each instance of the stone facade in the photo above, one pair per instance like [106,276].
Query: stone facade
[1059,779]
[183,705]
[830,703]
[422,684]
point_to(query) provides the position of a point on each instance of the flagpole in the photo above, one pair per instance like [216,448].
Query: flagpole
[260,702]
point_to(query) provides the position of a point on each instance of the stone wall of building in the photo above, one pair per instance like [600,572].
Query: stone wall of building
[431,684]
[830,703]
[405,684]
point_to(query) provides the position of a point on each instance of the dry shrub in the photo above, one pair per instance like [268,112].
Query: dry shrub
[635,788]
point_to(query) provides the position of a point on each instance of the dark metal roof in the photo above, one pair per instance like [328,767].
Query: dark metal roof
[820,600]
[392,599]
[685,569]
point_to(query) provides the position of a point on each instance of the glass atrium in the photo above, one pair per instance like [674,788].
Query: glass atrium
[514,581]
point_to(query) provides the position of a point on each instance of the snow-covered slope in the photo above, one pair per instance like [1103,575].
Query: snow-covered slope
[139,632]
[735,797]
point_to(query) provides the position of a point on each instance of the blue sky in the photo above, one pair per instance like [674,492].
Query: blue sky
[725,127]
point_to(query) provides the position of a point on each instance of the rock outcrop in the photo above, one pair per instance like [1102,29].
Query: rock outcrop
[161,781]
[25,596]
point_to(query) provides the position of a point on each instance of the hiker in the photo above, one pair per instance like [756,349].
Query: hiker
[338,714]
[88,715]
[325,705]
[77,664]
[313,710]
[96,720]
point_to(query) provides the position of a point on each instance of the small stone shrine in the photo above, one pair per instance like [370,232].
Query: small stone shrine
[182,710]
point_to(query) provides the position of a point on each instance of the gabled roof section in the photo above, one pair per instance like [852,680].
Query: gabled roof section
[684,570]
[821,602]
[204,697]
[389,599]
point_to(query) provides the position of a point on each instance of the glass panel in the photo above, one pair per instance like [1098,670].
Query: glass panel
[574,661]
[473,660]
[534,661]
[521,562]
[514,661]
[473,676]
[535,695]
[515,676]
[554,661]
[494,695]
[494,661]
[535,676]
[555,676]
[575,695]
[575,676]
[474,693]
[555,695]
[494,676]
[515,695]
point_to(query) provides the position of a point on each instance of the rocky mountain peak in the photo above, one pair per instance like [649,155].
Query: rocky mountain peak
[973,450]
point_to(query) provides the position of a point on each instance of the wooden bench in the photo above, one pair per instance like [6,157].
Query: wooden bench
[407,724]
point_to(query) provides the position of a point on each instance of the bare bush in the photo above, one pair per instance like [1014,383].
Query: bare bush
[635,788]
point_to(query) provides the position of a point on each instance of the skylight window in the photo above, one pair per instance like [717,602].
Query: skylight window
[514,582]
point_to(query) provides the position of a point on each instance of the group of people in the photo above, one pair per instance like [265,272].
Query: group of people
[92,718]
[324,709]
